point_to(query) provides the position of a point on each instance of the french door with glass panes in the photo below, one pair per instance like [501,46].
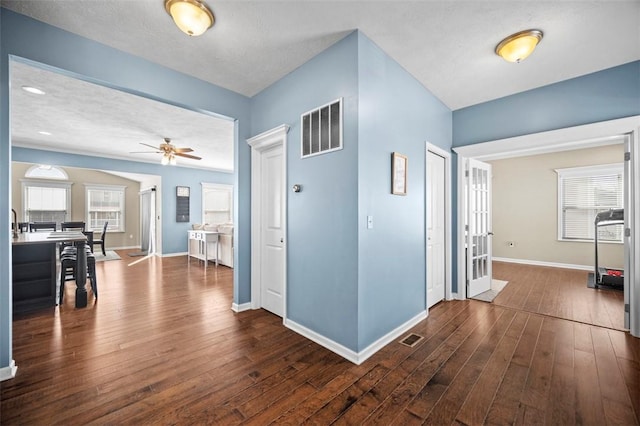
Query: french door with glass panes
[478,227]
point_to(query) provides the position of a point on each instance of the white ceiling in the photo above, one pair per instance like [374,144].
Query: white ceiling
[85,118]
[446,45]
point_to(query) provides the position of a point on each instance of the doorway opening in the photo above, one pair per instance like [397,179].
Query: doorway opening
[593,135]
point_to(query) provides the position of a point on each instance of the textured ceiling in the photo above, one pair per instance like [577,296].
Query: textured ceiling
[446,45]
[85,118]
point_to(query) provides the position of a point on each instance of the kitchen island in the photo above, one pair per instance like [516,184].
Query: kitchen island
[34,269]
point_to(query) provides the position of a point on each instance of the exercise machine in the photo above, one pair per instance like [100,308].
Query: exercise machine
[607,276]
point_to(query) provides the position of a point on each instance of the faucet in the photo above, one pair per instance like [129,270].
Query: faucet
[15,224]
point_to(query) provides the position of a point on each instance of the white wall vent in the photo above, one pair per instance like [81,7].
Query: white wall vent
[321,129]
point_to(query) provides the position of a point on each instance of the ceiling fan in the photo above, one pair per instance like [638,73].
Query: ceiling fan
[169,152]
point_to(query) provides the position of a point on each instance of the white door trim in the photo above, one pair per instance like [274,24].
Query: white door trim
[258,144]
[588,135]
[447,215]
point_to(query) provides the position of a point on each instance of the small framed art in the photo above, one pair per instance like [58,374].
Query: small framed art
[399,164]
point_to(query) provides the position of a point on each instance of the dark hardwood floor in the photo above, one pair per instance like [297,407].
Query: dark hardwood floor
[162,346]
[561,293]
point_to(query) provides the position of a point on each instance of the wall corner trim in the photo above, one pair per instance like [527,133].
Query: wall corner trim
[8,372]
[352,356]
[240,307]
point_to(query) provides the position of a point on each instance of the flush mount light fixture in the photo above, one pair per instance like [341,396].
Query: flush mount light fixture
[192,16]
[33,90]
[518,46]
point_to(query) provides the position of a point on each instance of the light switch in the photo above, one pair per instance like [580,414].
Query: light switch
[369,222]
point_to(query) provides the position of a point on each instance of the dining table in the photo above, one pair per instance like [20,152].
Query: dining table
[34,267]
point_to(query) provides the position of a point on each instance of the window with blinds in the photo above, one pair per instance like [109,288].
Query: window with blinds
[46,201]
[105,203]
[584,192]
[321,129]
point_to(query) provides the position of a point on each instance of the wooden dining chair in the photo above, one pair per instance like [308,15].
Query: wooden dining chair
[100,241]
[42,226]
[75,226]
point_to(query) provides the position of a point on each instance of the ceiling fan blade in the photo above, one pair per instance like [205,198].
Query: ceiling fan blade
[182,150]
[150,146]
[145,152]
[188,156]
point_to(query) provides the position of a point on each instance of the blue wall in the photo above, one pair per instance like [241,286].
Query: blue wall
[40,44]
[345,282]
[322,263]
[396,113]
[604,95]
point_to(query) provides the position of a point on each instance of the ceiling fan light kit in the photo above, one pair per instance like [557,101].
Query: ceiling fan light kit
[192,16]
[169,159]
[519,46]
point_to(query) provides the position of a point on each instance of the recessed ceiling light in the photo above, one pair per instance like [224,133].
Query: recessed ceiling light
[33,90]
[44,133]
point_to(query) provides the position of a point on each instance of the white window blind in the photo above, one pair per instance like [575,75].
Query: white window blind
[583,193]
[217,203]
[46,201]
[105,204]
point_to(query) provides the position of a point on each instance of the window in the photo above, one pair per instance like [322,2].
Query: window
[105,203]
[46,201]
[583,192]
[44,171]
[217,203]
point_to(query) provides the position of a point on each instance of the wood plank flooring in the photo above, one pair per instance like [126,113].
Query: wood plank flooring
[161,346]
[557,292]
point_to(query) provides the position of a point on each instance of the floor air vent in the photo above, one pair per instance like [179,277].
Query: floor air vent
[411,340]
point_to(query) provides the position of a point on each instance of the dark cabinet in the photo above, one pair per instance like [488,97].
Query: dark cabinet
[34,276]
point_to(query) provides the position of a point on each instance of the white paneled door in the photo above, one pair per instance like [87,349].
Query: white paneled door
[478,227]
[435,225]
[272,228]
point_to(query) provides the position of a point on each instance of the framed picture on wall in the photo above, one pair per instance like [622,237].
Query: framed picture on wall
[182,203]
[399,164]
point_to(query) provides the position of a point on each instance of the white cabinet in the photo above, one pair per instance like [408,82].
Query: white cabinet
[203,245]
[226,244]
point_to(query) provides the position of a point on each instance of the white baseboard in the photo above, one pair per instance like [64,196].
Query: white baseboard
[241,307]
[542,263]
[122,248]
[175,254]
[389,337]
[335,347]
[348,354]
[455,296]
[8,372]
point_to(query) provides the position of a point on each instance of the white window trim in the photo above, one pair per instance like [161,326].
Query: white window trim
[91,186]
[221,187]
[47,184]
[579,172]
[30,170]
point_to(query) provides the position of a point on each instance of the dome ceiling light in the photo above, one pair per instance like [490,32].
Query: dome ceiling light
[518,46]
[192,16]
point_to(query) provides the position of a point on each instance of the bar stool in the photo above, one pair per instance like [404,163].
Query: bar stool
[68,261]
